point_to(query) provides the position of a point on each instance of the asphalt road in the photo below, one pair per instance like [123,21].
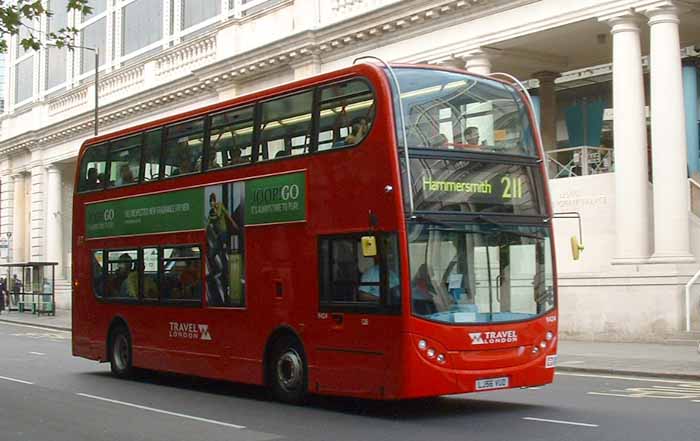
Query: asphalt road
[46,394]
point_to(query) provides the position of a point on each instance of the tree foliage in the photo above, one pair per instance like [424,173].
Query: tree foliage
[20,16]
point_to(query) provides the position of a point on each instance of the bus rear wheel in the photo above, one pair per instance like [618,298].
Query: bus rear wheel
[288,371]
[120,353]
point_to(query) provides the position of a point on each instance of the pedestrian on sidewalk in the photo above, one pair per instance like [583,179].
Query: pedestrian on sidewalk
[3,294]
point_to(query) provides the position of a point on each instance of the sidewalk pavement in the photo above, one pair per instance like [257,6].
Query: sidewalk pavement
[643,359]
[61,321]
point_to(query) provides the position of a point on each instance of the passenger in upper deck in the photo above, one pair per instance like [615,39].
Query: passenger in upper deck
[471,136]
[359,128]
[91,180]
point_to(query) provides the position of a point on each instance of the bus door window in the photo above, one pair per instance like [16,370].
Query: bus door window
[349,278]
[122,280]
[93,168]
[151,154]
[183,148]
[285,127]
[125,161]
[182,274]
[231,138]
[346,114]
[151,274]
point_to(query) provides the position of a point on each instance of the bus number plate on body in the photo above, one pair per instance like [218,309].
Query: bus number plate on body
[492,383]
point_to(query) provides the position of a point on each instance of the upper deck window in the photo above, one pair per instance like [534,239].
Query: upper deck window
[93,168]
[183,148]
[285,126]
[346,114]
[125,161]
[446,110]
[231,138]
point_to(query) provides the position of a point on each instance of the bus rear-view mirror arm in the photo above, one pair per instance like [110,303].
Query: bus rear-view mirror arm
[576,242]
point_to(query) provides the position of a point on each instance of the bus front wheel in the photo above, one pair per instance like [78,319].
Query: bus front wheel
[288,372]
[120,353]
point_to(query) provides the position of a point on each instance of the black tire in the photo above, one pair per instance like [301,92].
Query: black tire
[287,371]
[120,361]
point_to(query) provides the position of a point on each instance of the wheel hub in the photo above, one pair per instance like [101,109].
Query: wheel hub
[290,370]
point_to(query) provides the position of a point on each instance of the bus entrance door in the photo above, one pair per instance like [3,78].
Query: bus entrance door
[351,353]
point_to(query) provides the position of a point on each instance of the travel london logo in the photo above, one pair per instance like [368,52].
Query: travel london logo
[493,337]
[190,331]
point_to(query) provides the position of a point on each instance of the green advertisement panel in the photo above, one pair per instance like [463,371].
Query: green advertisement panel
[276,199]
[165,212]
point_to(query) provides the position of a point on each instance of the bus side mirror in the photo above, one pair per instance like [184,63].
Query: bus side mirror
[576,248]
[369,246]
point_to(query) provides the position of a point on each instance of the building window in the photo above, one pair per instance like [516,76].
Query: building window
[142,24]
[55,66]
[24,82]
[196,11]
[94,36]
[59,15]
[98,7]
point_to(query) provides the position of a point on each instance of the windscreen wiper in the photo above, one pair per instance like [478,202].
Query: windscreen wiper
[507,229]
[430,220]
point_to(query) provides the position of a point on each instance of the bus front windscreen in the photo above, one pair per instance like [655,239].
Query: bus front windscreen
[480,272]
[448,110]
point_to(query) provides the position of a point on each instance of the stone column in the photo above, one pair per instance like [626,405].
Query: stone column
[632,195]
[548,109]
[54,218]
[18,219]
[690,90]
[478,62]
[668,142]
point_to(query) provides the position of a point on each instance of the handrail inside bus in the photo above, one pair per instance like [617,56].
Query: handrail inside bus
[409,186]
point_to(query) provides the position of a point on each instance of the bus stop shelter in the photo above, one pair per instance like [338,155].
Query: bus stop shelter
[30,286]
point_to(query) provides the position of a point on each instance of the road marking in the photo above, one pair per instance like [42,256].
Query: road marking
[15,380]
[620,377]
[165,412]
[571,423]
[679,391]
[569,363]
[37,353]
[37,335]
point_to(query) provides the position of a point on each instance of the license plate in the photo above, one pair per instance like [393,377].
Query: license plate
[492,383]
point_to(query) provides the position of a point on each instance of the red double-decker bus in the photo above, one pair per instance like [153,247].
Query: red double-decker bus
[379,231]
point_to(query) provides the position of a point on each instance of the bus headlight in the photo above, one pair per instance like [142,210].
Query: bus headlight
[431,353]
[535,349]
[422,344]
[543,344]
[441,358]
[549,336]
